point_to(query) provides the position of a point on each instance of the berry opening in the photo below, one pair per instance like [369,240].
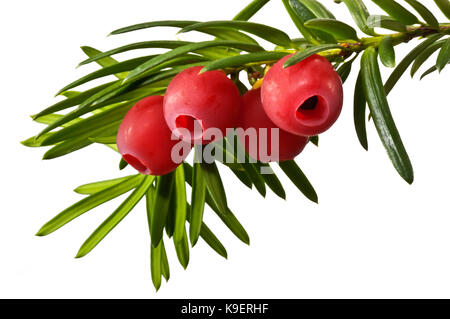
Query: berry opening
[313,111]
[190,123]
[137,164]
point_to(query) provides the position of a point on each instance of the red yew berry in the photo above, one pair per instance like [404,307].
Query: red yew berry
[303,99]
[201,102]
[144,140]
[252,115]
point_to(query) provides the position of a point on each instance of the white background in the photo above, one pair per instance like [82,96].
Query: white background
[371,236]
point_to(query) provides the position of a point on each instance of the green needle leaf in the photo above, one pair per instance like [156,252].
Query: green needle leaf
[263,31]
[426,14]
[208,236]
[300,56]
[387,52]
[397,11]
[214,185]
[198,201]
[407,60]
[182,250]
[344,70]
[444,56]
[116,217]
[72,101]
[161,205]
[89,203]
[190,48]
[296,175]
[379,109]
[156,253]
[105,62]
[444,5]
[229,220]
[155,264]
[76,143]
[87,125]
[108,70]
[359,12]
[271,179]
[300,13]
[122,164]
[160,44]
[386,23]
[152,24]
[318,9]
[250,10]
[104,140]
[359,112]
[92,188]
[180,205]
[165,270]
[424,55]
[241,60]
[339,30]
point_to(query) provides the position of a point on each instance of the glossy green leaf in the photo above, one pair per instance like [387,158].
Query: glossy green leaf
[180,206]
[76,143]
[397,11]
[243,59]
[314,140]
[190,48]
[407,60]
[105,62]
[301,55]
[152,24]
[88,203]
[198,201]
[208,236]
[156,253]
[265,32]
[72,101]
[296,175]
[116,217]
[318,9]
[92,188]
[250,10]
[182,250]
[444,5]
[229,220]
[214,185]
[155,265]
[160,207]
[93,122]
[385,22]
[344,70]
[424,55]
[426,14]
[444,56]
[339,30]
[165,269]
[300,13]
[387,52]
[359,112]
[104,140]
[271,179]
[160,44]
[122,164]
[381,114]
[359,12]
[109,70]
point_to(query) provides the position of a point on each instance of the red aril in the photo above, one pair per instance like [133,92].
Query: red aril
[144,140]
[195,103]
[252,116]
[303,99]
